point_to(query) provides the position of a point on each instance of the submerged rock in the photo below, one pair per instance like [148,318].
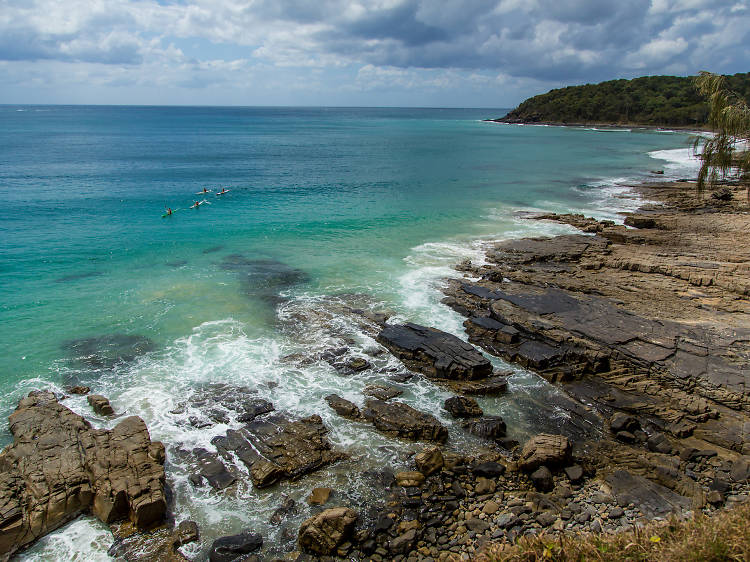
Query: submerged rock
[59,467]
[435,353]
[401,420]
[264,278]
[104,352]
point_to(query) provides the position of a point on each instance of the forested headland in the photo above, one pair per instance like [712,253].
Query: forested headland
[650,100]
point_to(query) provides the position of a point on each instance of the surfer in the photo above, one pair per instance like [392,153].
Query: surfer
[197,204]
[169,210]
[223,190]
[205,190]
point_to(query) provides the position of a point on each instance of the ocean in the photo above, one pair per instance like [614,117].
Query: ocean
[328,212]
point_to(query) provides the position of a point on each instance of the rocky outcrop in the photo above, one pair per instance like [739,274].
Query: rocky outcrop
[276,448]
[59,467]
[322,533]
[401,420]
[649,321]
[435,353]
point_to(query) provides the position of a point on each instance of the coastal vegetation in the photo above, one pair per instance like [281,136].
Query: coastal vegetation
[650,100]
[726,152]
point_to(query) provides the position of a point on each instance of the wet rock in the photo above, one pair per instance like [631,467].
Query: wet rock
[488,427]
[488,470]
[59,466]
[319,496]
[574,473]
[235,547]
[343,407]
[79,389]
[131,546]
[288,507]
[463,407]
[542,479]
[490,386]
[544,449]
[104,352]
[401,420]
[382,392]
[323,533]
[435,353]
[358,364]
[100,405]
[275,448]
[185,533]
[429,460]
[212,469]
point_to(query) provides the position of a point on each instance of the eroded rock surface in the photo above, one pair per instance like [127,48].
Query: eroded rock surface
[435,353]
[276,448]
[59,467]
[322,533]
[401,420]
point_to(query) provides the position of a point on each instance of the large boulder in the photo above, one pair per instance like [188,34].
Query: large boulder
[401,420]
[58,466]
[544,449]
[276,448]
[435,353]
[324,532]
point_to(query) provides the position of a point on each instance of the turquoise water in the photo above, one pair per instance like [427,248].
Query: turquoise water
[328,210]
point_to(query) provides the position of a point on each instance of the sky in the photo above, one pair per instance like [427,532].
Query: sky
[425,53]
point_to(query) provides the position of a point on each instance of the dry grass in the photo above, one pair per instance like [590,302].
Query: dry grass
[724,536]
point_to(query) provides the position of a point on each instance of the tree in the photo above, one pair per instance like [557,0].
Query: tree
[727,153]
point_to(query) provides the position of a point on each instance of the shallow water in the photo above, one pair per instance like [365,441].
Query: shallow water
[330,211]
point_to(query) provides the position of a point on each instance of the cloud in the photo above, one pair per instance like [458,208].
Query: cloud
[402,44]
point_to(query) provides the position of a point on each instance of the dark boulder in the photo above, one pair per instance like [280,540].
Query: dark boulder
[488,427]
[542,479]
[235,547]
[435,353]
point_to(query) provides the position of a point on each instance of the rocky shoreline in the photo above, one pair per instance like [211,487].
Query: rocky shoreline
[644,326]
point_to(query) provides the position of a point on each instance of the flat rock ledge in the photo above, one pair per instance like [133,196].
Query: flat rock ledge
[59,467]
[434,353]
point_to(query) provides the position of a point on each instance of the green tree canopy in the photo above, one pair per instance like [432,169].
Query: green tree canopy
[727,152]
